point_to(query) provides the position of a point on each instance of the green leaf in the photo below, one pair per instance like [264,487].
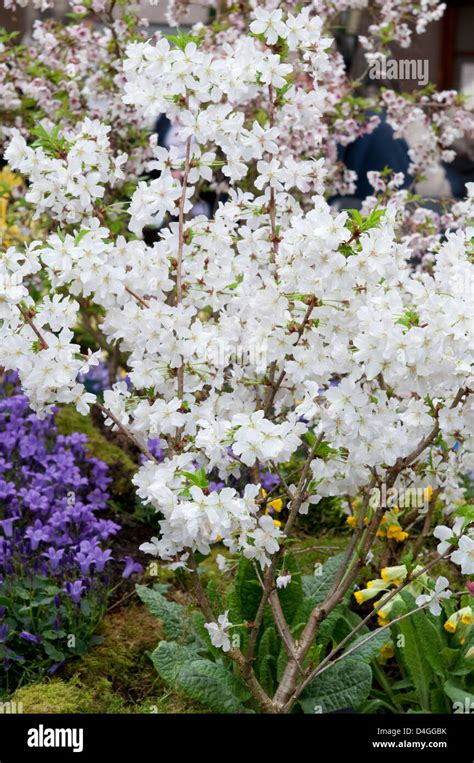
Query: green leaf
[246,593]
[267,654]
[80,236]
[457,693]
[207,682]
[173,616]
[316,587]
[182,39]
[346,684]
[53,653]
[328,625]
[198,624]
[412,656]
[370,649]
[198,478]
[466,511]
[438,701]
[169,657]
[291,597]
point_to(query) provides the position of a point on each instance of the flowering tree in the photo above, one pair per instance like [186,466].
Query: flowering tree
[277,337]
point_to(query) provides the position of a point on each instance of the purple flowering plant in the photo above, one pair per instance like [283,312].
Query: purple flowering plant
[54,560]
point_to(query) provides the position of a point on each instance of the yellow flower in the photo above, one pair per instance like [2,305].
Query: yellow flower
[465,615]
[402,535]
[387,651]
[277,504]
[428,493]
[396,533]
[374,587]
[450,626]
[394,574]
[383,613]
[351,521]
[277,522]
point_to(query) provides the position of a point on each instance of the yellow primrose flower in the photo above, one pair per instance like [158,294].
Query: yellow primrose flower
[394,575]
[277,504]
[466,615]
[387,651]
[463,616]
[374,587]
[383,614]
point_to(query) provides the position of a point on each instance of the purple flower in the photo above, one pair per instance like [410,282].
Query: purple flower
[51,493]
[27,636]
[74,590]
[130,567]
[7,526]
[100,558]
[269,480]
[3,632]
[214,486]
[54,556]
[36,534]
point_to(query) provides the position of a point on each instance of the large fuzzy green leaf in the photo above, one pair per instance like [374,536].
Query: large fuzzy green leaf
[173,616]
[210,683]
[370,649]
[291,597]
[346,684]
[267,655]
[316,587]
[412,656]
[246,593]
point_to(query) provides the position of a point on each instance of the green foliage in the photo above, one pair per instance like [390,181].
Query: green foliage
[173,616]
[190,664]
[201,679]
[30,609]
[328,516]
[182,39]
[245,594]
[52,143]
[434,667]
[58,697]
[344,685]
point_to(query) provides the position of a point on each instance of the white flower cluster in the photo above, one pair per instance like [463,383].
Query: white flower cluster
[195,520]
[68,184]
[323,326]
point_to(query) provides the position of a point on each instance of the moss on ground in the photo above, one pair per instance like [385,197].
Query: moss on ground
[121,466]
[115,677]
